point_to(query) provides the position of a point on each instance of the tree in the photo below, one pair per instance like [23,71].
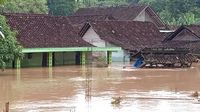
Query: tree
[176,11]
[25,6]
[9,47]
[2,1]
[61,7]
[112,2]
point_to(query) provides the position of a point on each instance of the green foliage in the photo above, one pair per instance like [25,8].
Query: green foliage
[176,12]
[171,11]
[67,7]
[2,1]
[9,47]
[25,6]
[61,7]
[111,2]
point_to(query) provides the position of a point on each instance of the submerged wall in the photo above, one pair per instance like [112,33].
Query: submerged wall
[65,58]
[37,59]
[32,60]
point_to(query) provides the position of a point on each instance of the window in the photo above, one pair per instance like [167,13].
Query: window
[29,55]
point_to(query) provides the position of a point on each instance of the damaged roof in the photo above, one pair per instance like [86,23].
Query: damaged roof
[42,31]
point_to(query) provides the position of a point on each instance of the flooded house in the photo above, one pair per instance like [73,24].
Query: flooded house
[132,36]
[186,36]
[161,57]
[178,49]
[123,13]
[50,41]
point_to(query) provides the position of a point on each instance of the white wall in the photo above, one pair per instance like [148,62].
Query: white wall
[140,17]
[143,16]
[118,56]
[93,38]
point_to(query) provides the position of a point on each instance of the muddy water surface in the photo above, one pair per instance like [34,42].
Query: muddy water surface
[90,89]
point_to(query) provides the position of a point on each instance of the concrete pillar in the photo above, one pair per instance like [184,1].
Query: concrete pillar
[17,63]
[50,59]
[109,57]
[50,73]
[83,58]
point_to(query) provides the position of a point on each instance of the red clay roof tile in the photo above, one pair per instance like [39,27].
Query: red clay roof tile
[131,35]
[40,30]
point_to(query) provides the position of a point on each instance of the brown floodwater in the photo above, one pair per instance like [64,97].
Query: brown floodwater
[91,89]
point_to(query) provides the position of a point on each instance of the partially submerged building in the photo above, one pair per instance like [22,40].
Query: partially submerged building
[179,49]
[132,36]
[186,36]
[50,41]
[164,58]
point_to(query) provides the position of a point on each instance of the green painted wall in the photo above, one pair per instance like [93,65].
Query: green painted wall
[65,58]
[60,58]
[32,60]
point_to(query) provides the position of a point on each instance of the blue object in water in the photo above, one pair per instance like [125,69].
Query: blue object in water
[139,62]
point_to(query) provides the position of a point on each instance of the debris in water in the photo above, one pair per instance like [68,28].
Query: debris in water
[195,94]
[116,100]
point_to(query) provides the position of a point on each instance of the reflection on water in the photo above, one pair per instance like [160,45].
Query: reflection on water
[90,89]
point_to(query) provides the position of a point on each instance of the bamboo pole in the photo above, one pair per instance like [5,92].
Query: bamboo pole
[6,107]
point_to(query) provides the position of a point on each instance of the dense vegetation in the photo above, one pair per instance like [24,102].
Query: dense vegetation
[9,47]
[173,12]
[24,6]
[176,11]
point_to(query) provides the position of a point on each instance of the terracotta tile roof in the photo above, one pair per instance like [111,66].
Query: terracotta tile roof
[131,35]
[194,28]
[82,19]
[192,43]
[77,27]
[193,46]
[119,12]
[122,13]
[169,58]
[78,21]
[40,30]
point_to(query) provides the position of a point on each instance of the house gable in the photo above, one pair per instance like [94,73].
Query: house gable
[186,35]
[93,38]
[182,34]
[140,17]
[149,15]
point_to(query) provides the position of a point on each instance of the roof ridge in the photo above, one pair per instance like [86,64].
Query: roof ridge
[31,15]
[120,6]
